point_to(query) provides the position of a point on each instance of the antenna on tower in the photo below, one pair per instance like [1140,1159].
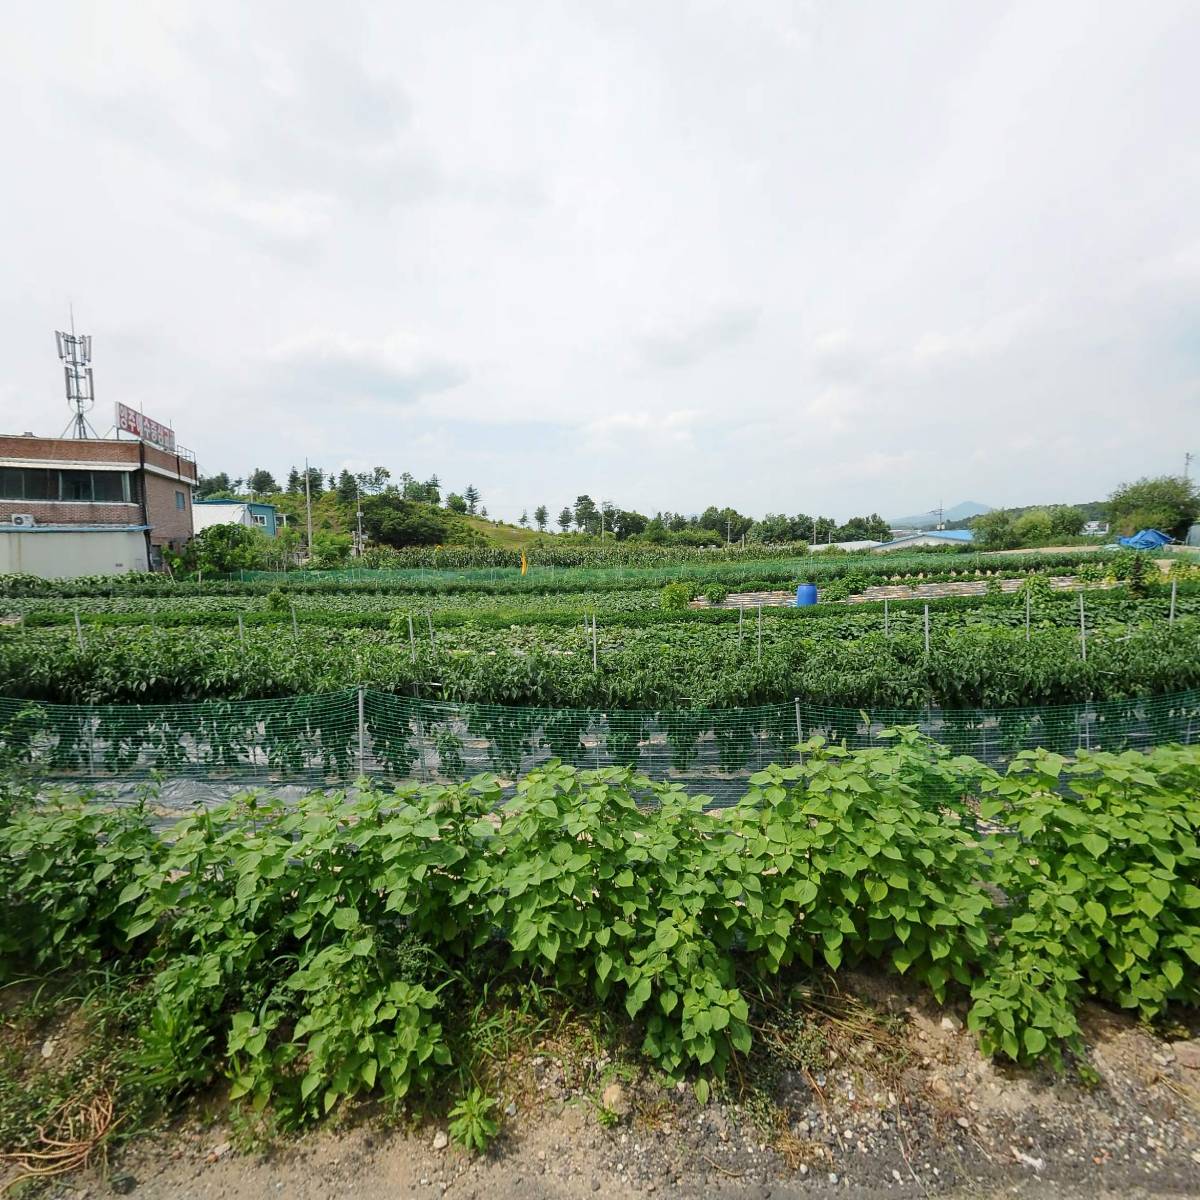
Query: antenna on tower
[940,513]
[75,350]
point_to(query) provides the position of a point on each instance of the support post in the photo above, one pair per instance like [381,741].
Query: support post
[799,728]
[79,630]
[412,640]
[362,734]
[1174,586]
[1082,630]
[241,630]
[927,631]
[1027,605]
[595,649]
[887,627]
[432,639]
[760,634]
[295,626]
[741,614]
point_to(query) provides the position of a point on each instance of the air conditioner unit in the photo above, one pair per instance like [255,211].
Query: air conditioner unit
[21,520]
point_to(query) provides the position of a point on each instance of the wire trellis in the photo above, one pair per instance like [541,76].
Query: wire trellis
[337,737]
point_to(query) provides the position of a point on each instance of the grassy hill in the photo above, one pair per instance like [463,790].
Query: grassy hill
[508,537]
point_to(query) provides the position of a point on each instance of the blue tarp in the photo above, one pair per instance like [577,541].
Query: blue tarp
[1146,539]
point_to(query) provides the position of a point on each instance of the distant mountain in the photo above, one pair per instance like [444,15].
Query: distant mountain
[927,520]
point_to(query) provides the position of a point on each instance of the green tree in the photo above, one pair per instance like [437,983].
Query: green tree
[455,503]
[433,490]
[331,549]
[211,484]
[390,520]
[587,515]
[564,519]
[347,487]
[295,482]
[524,521]
[471,496]
[262,483]
[541,515]
[316,481]
[1066,521]
[220,549]
[995,530]
[1033,527]
[1169,503]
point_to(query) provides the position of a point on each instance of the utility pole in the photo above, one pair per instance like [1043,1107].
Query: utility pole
[308,506]
[358,514]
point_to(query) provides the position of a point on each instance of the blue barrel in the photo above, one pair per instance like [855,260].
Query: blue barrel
[806,594]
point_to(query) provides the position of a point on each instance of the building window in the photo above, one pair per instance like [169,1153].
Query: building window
[180,501]
[259,518]
[76,487]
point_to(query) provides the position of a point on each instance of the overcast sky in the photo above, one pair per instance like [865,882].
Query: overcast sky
[806,256]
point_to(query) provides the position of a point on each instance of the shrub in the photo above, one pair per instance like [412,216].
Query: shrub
[676,597]
[1102,875]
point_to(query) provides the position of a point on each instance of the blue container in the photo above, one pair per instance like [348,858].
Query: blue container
[806,594]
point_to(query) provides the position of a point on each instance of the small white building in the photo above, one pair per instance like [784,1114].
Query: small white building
[927,537]
[252,513]
[848,546]
[67,551]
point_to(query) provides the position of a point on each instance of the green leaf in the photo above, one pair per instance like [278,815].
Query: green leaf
[1034,1039]
[1094,844]
[701,1089]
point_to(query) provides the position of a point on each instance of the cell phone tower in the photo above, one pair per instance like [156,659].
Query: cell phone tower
[75,350]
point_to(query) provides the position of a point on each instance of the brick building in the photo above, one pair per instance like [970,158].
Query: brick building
[77,506]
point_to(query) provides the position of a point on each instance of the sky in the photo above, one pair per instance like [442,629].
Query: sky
[785,255]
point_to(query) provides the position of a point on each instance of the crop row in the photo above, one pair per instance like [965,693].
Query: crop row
[679,664]
[309,954]
[780,572]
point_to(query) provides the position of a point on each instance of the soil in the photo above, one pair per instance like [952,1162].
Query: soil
[890,1099]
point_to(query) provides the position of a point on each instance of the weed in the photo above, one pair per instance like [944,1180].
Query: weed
[471,1123]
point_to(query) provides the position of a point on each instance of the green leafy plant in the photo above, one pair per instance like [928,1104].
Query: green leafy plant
[472,1125]
[676,597]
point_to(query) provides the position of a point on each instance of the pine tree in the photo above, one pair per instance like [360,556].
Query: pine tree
[295,482]
[565,518]
[524,521]
[471,496]
[541,515]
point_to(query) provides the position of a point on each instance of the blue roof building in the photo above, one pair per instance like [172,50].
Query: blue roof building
[235,512]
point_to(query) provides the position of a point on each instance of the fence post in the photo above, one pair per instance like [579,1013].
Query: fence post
[1174,585]
[799,728]
[79,630]
[362,734]
[1082,630]
[927,631]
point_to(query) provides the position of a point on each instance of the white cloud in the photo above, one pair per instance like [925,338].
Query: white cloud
[790,256]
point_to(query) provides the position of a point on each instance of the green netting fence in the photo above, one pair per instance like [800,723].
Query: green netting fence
[333,738]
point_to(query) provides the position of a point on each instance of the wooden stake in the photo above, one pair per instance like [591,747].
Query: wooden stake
[412,640]
[79,631]
[1082,630]
[927,631]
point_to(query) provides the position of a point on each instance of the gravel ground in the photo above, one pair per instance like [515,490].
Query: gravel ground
[913,1112]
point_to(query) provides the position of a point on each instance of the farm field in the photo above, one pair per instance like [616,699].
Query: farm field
[338,675]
